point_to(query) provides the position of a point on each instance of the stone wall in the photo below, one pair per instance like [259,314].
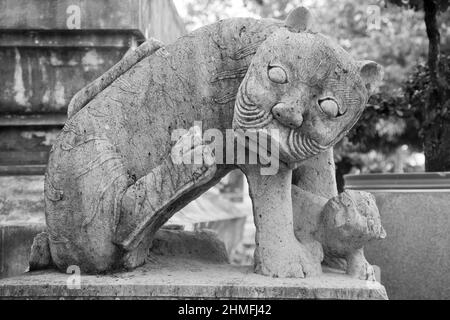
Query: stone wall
[50,49]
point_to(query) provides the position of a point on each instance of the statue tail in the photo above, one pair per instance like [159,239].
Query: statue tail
[40,256]
[85,95]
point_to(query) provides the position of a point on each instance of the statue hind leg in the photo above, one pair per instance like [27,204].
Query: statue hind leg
[83,187]
[97,220]
[155,198]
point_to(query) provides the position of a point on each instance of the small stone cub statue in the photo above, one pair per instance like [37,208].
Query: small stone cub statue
[111,181]
[336,230]
[347,223]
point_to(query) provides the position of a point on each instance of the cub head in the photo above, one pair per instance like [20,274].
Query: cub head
[349,221]
[305,86]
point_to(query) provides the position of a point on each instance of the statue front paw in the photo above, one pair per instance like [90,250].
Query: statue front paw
[280,266]
[291,261]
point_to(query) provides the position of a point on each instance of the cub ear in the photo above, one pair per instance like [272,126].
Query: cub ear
[372,74]
[299,20]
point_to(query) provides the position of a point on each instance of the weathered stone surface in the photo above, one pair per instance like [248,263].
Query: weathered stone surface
[40,257]
[43,79]
[201,245]
[415,257]
[15,244]
[85,95]
[317,175]
[179,278]
[112,181]
[148,17]
[278,253]
[21,200]
[50,49]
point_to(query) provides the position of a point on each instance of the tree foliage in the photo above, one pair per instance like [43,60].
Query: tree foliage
[434,112]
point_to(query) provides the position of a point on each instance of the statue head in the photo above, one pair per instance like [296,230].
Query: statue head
[306,86]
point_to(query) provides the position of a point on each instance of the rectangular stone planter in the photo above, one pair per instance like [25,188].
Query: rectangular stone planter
[415,211]
[15,244]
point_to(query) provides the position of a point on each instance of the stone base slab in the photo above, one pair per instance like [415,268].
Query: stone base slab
[181,278]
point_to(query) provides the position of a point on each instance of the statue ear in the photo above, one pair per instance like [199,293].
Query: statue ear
[299,20]
[371,73]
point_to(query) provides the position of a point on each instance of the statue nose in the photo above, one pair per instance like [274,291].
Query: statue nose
[288,115]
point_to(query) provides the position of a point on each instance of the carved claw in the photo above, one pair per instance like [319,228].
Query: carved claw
[191,150]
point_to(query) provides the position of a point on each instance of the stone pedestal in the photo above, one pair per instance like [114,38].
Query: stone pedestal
[183,278]
[186,265]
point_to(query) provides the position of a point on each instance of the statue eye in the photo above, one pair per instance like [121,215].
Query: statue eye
[330,107]
[277,75]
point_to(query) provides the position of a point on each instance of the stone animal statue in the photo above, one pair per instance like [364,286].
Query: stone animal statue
[111,182]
